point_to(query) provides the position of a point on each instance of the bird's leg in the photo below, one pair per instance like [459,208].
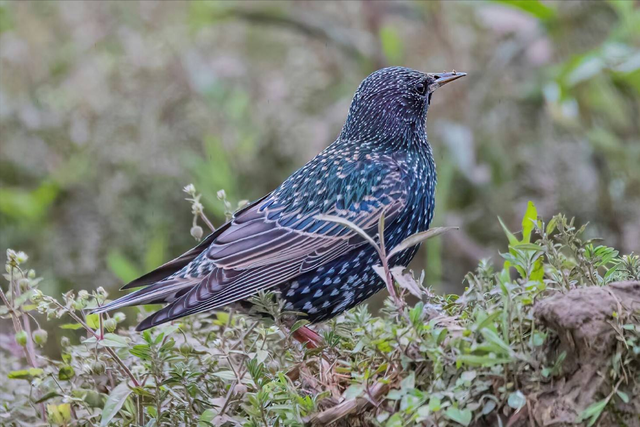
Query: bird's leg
[308,337]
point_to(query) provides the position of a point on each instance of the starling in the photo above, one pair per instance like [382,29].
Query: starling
[381,161]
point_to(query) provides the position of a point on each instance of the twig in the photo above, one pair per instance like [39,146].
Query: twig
[348,407]
[204,218]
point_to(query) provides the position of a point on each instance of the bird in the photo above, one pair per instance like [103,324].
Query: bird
[380,162]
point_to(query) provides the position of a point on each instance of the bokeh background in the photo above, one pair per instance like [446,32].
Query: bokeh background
[108,109]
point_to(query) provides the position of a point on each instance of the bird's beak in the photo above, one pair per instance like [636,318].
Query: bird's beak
[442,79]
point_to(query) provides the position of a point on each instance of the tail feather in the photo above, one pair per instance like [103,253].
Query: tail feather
[162,292]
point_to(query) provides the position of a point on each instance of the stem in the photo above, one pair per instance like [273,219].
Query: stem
[206,221]
[93,333]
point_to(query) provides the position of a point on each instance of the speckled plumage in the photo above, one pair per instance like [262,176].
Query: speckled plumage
[380,161]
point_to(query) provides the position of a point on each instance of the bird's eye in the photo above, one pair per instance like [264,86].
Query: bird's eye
[421,88]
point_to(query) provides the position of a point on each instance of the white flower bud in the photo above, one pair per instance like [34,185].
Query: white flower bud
[190,189]
[196,232]
[119,317]
[21,257]
[222,194]
[24,284]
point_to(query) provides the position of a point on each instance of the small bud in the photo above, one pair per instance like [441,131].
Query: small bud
[190,189]
[36,297]
[110,324]
[65,342]
[196,232]
[221,194]
[21,257]
[11,255]
[40,337]
[21,338]
[83,294]
[186,349]
[98,367]
[119,317]
[31,274]
[240,389]
[466,333]
[101,291]
[24,284]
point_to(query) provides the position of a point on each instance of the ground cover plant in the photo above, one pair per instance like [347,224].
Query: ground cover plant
[550,337]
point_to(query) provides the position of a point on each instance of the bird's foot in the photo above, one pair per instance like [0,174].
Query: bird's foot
[307,337]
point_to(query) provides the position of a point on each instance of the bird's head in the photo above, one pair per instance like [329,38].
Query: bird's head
[392,103]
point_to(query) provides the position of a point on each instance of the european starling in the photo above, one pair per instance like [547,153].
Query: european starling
[381,161]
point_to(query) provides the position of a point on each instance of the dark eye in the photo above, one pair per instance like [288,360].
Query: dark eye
[421,88]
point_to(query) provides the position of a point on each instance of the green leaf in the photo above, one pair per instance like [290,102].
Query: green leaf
[593,412]
[59,414]
[623,396]
[512,239]
[435,404]
[225,375]
[299,324]
[206,419]
[461,416]
[73,326]
[114,341]
[473,360]
[25,374]
[529,220]
[533,7]
[114,402]
[92,320]
[66,373]
[47,396]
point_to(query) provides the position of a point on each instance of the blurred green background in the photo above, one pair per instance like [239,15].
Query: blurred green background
[108,109]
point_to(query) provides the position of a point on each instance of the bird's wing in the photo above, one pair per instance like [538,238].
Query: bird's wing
[278,239]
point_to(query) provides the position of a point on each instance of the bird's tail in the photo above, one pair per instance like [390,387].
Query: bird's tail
[162,292]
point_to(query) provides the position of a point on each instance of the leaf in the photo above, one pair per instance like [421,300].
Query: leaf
[114,341]
[623,396]
[461,416]
[512,239]
[72,326]
[419,238]
[59,414]
[593,412]
[472,360]
[225,375]
[349,224]
[92,320]
[530,218]
[66,373]
[114,402]
[47,396]
[533,7]
[206,419]
[406,281]
[517,400]
[299,324]
[25,374]
[494,339]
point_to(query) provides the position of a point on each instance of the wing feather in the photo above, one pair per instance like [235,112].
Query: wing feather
[272,242]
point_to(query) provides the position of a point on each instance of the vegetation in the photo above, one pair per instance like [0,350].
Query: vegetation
[561,311]
[106,107]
